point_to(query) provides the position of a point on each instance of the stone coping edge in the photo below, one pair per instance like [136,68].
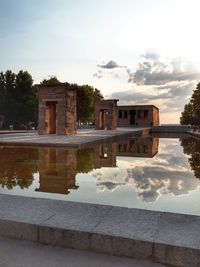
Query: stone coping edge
[167,238]
[194,134]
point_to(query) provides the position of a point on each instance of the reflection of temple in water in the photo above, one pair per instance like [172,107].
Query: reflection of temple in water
[105,155]
[57,169]
[141,147]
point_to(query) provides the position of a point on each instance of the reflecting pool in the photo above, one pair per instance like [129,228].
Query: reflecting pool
[148,172]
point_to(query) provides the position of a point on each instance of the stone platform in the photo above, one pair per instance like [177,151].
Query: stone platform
[83,137]
[166,238]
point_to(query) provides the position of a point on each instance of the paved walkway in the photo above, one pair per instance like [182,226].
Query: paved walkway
[84,136]
[18,253]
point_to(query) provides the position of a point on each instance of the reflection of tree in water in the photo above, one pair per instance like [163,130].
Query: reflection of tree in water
[85,160]
[17,166]
[191,147]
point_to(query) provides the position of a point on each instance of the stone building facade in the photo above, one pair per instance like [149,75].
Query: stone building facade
[138,115]
[110,116]
[106,114]
[57,109]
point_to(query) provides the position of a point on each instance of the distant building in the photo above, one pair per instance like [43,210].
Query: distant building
[138,115]
[110,116]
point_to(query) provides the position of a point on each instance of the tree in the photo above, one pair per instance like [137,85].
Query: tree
[187,115]
[86,96]
[25,98]
[191,113]
[51,81]
[18,102]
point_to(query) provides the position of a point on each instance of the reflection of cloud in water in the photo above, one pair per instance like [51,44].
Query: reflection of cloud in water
[171,161]
[109,179]
[167,173]
[108,186]
[151,182]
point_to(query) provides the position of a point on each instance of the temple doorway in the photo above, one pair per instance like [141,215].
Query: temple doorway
[50,117]
[103,119]
[106,114]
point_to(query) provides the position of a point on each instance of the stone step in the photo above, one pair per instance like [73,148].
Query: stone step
[167,238]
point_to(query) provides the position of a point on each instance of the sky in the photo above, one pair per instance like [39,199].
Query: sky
[140,52]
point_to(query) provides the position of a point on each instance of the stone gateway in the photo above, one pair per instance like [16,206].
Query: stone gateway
[57,109]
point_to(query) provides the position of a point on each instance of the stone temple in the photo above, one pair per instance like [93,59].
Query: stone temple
[57,112]
[57,109]
[110,116]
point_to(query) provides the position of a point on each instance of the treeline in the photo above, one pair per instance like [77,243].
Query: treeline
[18,101]
[19,105]
[191,113]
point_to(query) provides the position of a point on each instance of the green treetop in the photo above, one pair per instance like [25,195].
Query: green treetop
[191,113]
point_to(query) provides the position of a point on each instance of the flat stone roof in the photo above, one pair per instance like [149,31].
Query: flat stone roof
[137,106]
[168,238]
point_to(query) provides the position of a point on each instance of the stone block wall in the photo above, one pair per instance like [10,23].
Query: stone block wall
[63,116]
[137,115]
[106,114]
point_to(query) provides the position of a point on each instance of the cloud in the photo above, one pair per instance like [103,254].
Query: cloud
[164,82]
[155,70]
[98,74]
[171,96]
[110,65]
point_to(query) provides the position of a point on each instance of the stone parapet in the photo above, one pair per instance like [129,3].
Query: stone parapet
[168,238]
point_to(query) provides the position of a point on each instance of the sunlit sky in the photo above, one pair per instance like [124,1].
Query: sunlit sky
[141,52]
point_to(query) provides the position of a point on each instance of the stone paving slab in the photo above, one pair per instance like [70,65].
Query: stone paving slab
[18,253]
[168,238]
[83,137]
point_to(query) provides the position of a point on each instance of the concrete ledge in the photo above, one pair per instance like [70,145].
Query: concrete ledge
[15,131]
[167,238]
[170,129]
[195,134]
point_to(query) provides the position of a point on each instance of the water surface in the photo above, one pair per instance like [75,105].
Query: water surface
[148,173]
